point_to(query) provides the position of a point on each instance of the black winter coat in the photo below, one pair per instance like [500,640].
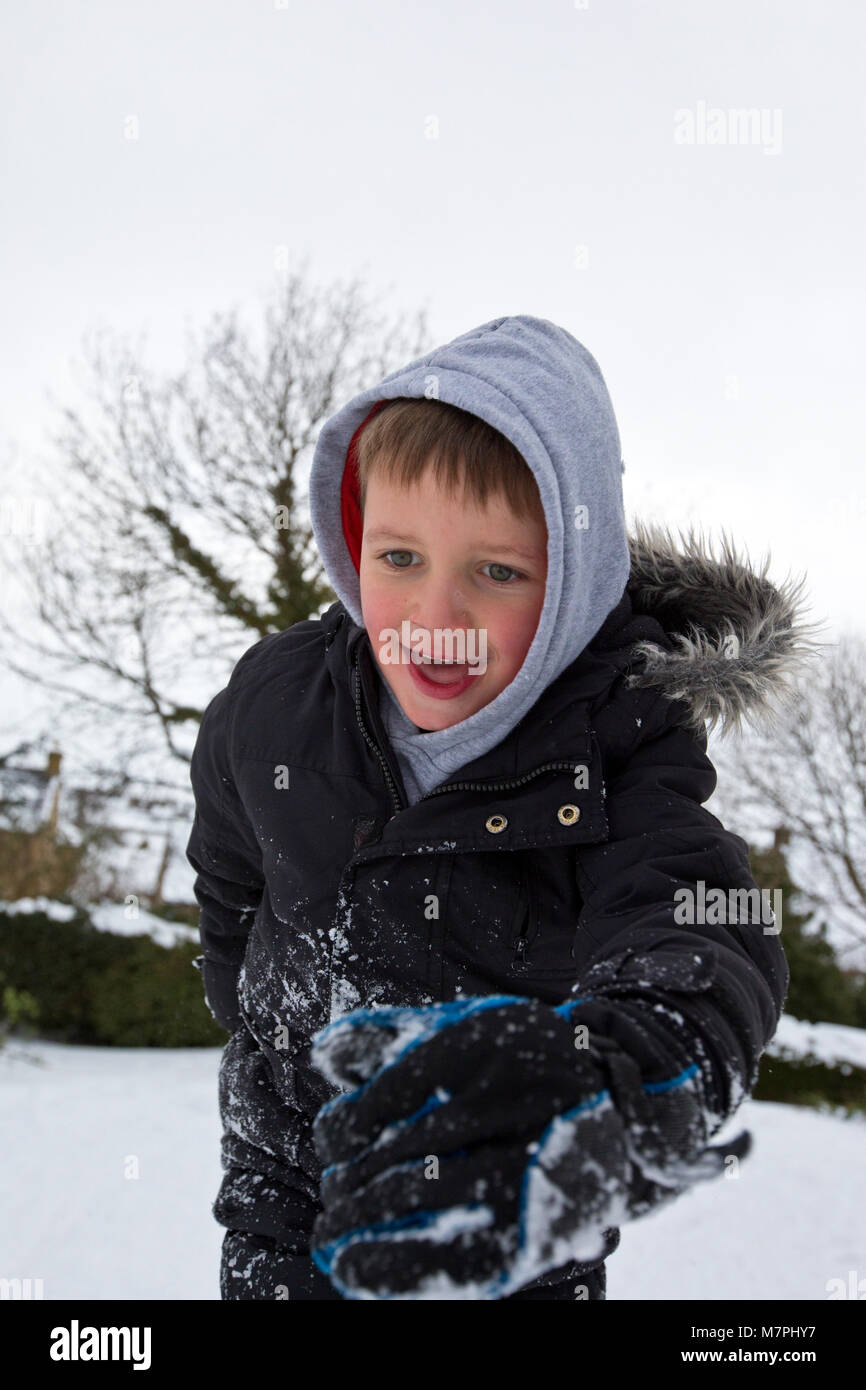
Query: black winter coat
[556,853]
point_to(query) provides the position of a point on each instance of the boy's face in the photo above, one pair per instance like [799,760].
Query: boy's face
[438,563]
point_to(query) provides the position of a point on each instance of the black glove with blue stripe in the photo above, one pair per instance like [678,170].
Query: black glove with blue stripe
[480,1144]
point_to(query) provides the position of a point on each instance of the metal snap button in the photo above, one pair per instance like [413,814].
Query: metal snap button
[496,823]
[568,814]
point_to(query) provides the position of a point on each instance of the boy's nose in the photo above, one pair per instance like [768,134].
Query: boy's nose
[441,605]
[432,617]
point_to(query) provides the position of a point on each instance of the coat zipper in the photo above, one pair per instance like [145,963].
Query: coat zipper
[392,786]
[498,786]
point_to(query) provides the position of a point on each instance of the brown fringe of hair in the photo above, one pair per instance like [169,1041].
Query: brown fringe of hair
[409,435]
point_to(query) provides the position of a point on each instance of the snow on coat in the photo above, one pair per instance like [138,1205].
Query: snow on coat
[547,867]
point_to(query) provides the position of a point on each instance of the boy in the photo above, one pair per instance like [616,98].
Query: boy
[446,839]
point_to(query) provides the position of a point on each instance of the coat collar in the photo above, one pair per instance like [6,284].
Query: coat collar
[554,738]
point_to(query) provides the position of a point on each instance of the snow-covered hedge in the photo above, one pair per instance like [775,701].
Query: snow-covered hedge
[108,975]
[123,919]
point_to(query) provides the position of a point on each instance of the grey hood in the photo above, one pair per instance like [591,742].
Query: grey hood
[543,390]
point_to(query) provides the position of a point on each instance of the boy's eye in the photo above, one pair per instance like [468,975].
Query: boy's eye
[501,578]
[388,553]
[495,565]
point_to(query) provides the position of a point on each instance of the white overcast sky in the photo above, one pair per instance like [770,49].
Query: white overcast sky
[719,286]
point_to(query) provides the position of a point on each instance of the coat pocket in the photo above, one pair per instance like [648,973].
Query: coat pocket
[524,926]
[544,931]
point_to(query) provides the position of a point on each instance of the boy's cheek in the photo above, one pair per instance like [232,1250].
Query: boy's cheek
[377,620]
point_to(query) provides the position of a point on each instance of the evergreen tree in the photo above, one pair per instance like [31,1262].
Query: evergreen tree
[820,990]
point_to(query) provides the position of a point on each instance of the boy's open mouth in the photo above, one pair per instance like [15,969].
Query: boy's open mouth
[442,679]
[444,672]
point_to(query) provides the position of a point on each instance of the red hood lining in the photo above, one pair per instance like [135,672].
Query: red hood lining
[350,494]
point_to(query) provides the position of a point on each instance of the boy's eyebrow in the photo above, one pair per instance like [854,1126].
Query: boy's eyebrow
[382,533]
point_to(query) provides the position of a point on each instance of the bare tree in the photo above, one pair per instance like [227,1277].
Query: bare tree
[178,532]
[807,780]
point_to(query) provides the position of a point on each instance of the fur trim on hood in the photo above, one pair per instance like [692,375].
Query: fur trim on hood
[738,642]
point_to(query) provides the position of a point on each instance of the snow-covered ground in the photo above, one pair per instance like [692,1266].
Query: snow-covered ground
[77,1124]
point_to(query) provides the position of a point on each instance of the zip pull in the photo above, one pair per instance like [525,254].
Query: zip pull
[521,945]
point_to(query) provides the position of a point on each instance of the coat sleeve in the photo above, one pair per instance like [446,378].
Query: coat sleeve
[226,856]
[673,989]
